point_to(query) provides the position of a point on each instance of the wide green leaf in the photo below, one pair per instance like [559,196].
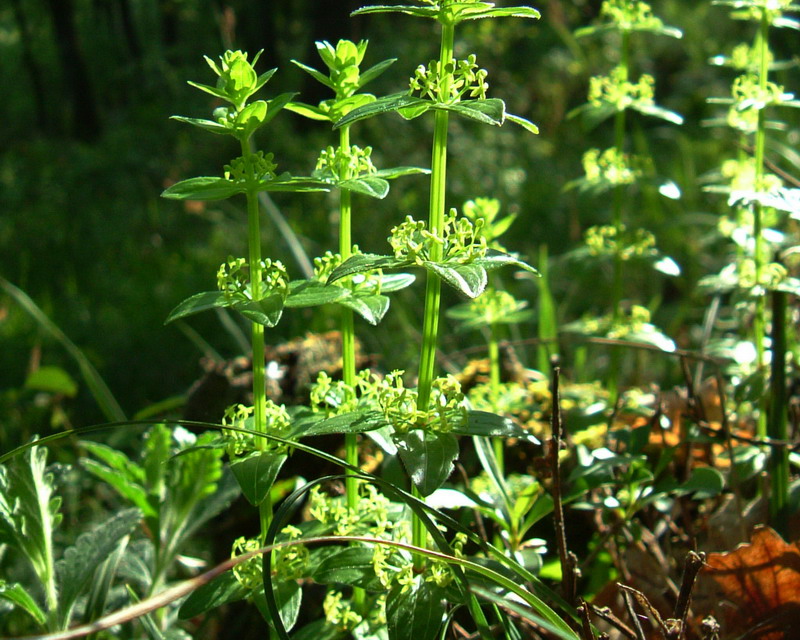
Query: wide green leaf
[396,281]
[197,303]
[428,457]
[222,590]
[364,262]
[483,423]
[208,125]
[468,279]
[416,613]
[313,424]
[351,565]
[397,172]
[496,259]
[387,104]
[371,186]
[704,483]
[288,595]
[266,311]
[16,595]
[490,111]
[52,379]
[256,474]
[370,307]
[501,12]
[421,12]
[78,564]
[312,293]
[293,184]
[204,188]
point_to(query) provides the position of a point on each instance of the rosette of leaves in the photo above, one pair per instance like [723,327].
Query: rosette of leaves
[465,262]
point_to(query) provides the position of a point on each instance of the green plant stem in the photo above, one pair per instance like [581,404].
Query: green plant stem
[347,326]
[777,428]
[349,347]
[433,285]
[759,319]
[618,223]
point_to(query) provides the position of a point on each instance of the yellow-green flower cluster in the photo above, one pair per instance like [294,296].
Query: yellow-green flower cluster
[449,83]
[351,162]
[611,166]
[338,612]
[233,279]
[630,14]
[260,163]
[615,89]
[460,240]
[603,241]
[398,404]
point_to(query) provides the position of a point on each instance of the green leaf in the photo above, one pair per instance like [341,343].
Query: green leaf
[374,71]
[483,423]
[420,12]
[308,111]
[387,104]
[658,112]
[221,590]
[251,118]
[704,483]
[203,188]
[363,262]
[428,457]
[368,185]
[318,76]
[52,380]
[397,172]
[351,565]
[312,293]
[266,311]
[490,111]
[256,473]
[275,105]
[496,259]
[125,476]
[78,564]
[16,595]
[469,279]
[523,122]
[208,125]
[288,595]
[288,183]
[505,12]
[197,303]
[28,510]
[313,424]
[370,307]
[415,613]
[396,281]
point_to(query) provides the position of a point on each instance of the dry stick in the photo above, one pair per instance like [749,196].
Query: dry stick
[637,626]
[606,614]
[691,567]
[586,623]
[568,560]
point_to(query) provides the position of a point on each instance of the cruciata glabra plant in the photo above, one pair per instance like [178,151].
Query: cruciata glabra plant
[763,240]
[419,424]
[616,170]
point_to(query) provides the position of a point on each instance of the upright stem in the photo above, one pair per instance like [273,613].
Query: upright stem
[779,456]
[759,320]
[257,330]
[347,326]
[618,223]
[433,286]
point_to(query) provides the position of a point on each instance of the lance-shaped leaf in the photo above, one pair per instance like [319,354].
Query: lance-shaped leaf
[76,568]
[490,111]
[364,262]
[287,182]
[351,565]
[370,307]
[313,424]
[370,185]
[197,303]
[428,457]
[642,27]
[483,423]
[204,188]
[421,12]
[267,311]
[658,112]
[312,293]
[387,104]
[397,172]
[17,596]
[496,259]
[468,279]
[207,125]
[221,590]
[374,71]
[256,473]
[396,281]
[412,614]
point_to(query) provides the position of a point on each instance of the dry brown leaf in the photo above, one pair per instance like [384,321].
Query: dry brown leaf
[755,589]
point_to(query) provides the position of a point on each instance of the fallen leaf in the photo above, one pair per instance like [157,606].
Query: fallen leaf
[755,589]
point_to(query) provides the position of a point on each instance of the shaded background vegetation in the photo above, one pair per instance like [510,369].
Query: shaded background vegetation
[87,147]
